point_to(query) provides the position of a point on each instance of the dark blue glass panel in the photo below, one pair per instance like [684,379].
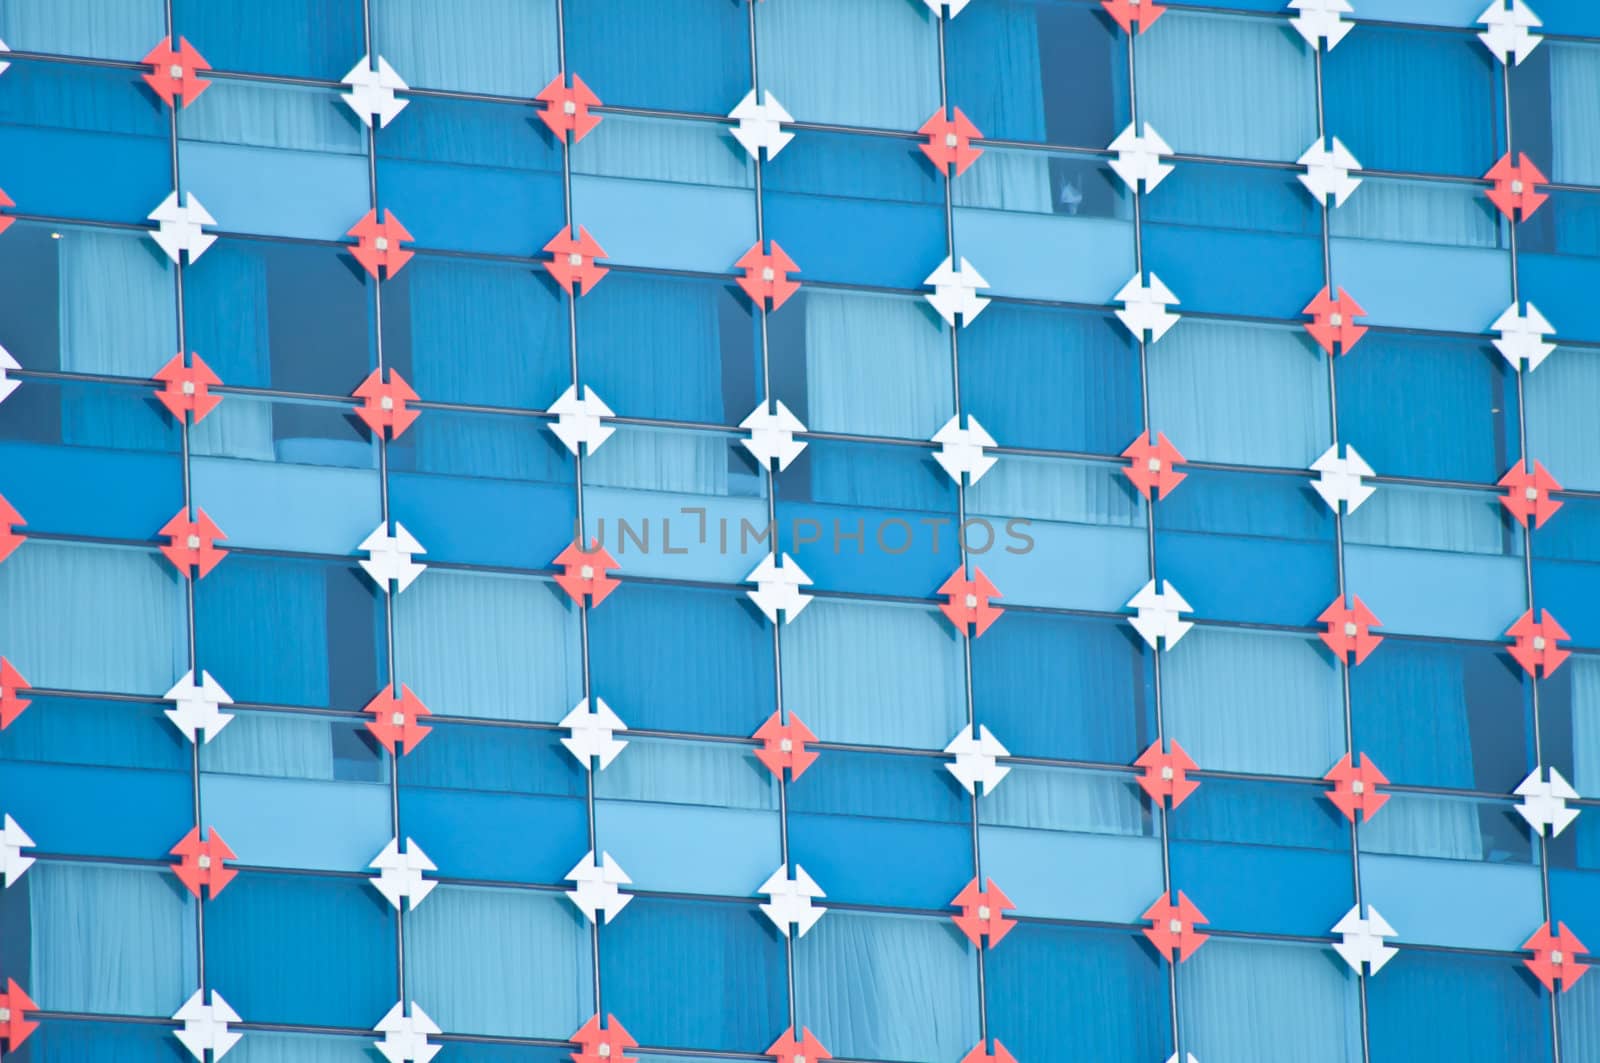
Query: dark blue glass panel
[1233,240]
[304,950]
[1414,101]
[703,974]
[470,176]
[471,790]
[116,734]
[458,480]
[88,122]
[856,821]
[1566,569]
[326,615]
[856,209]
[825,524]
[1428,406]
[702,362]
[1443,714]
[303,38]
[1265,857]
[477,333]
[1056,379]
[1038,71]
[677,56]
[1248,547]
[683,659]
[286,316]
[100,811]
[1432,1008]
[1099,991]
[74,1041]
[1065,687]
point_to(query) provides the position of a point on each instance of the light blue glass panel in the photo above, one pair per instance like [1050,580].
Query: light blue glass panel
[1259,1000]
[1242,394]
[1416,286]
[1462,902]
[1255,702]
[489,645]
[1427,518]
[1042,872]
[102,29]
[875,674]
[340,826]
[112,940]
[687,817]
[862,348]
[848,63]
[665,225]
[286,505]
[889,987]
[467,962]
[261,1046]
[506,47]
[1456,595]
[1238,87]
[92,618]
[1061,258]
[1566,385]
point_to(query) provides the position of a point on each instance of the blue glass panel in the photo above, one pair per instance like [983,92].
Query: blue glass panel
[281,475]
[489,645]
[458,479]
[1442,576]
[1259,86]
[1438,714]
[471,176]
[506,47]
[85,487]
[1254,701]
[277,160]
[888,987]
[1063,380]
[328,612]
[283,745]
[68,1042]
[833,356]
[1029,660]
[1568,383]
[86,919]
[824,523]
[1413,102]
[1264,857]
[690,817]
[1244,1000]
[848,63]
[288,316]
[1431,1008]
[1428,406]
[675,56]
[1096,990]
[856,821]
[1041,869]
[84,300]
[1264,260]
[1249,547]
[682,659]
[88,121]
[335,936]
[1038,71]
[1243,394]
[87,731]
[107,812]
[875,674]
[343,825]
[468,789]
[700,337]
[1061,258]
[76,616]
[467,952]
[1030,514]
[103,29]
[702,974]
[856,209]
[308,38]
[1556,283]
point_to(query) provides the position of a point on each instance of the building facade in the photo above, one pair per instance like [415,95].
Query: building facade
[921,531]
